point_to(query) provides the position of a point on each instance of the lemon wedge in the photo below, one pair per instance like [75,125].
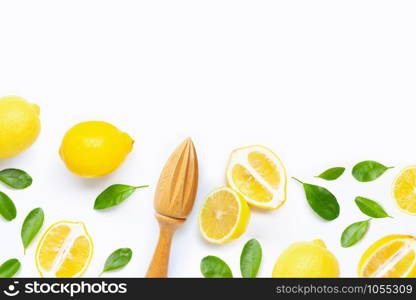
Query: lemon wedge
[224,216]
[391,256]
[258,175]
[65,250]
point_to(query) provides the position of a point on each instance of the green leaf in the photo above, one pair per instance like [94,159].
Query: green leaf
[354,233]
[215,267]
[368,170]
[118,259]
[371,208]
[15,178]
[332,174]
[31,226]
[250,259]
[322,201]
[114,195]
[9,268]
[7,207]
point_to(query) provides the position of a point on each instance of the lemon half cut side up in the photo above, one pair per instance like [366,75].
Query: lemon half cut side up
[224,216]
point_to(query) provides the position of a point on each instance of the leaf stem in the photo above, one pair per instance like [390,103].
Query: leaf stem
[141,186]
[297,180]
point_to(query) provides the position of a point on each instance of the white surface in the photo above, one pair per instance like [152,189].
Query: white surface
[322,83]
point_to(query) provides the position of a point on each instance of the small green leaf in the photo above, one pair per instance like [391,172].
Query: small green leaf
[9,268]
[7,207]
[31,226]
[215,267]
[15,178]
[354,233]
[322,201]
[368,170]
[332,174]
[250,259]
[118,259]
[371,208]
[114,195]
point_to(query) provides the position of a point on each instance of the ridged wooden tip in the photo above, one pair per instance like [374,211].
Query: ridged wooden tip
[178,183]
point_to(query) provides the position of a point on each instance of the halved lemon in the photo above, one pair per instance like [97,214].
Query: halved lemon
[258,175]
[65,250]
[224,216]
[391,256]
[404,190]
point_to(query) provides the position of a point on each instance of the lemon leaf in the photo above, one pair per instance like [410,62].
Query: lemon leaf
[15,178]
[7,207]
[368,170]
[322,201]
[250,259]
[114,195]
[354,233]
[371,208]
[332,173]
[31,226]
[118,259]
[9,268]
[215,267]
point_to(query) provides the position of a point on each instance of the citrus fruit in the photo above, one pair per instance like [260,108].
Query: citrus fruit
[390,256]
[19,125]
[65,250]
[224,216]
[258,175]
[404,190]
[306,259]
[95,148]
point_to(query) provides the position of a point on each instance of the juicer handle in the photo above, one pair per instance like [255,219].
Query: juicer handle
[159,266]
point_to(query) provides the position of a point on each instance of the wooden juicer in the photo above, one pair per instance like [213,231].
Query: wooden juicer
[174,199]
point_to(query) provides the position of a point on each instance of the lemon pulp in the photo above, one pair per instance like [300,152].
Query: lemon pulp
[404,190]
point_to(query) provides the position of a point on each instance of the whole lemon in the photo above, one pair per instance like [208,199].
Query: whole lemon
[306,259]
[19,125]
[95,148]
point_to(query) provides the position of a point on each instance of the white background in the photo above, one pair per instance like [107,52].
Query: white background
[322,83]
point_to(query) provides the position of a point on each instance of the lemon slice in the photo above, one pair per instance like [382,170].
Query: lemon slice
[404,190]
[224,216]
[391,256]
[65,250]
[258,175]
